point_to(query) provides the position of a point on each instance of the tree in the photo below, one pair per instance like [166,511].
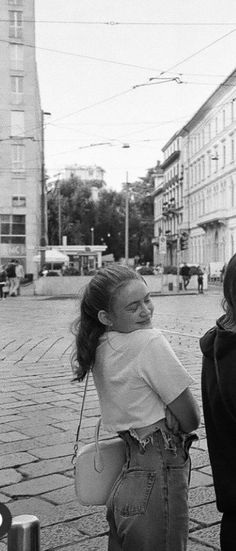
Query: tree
[79,213]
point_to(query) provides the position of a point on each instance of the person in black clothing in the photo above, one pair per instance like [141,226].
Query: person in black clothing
[185,273]
[200,279]
[11,274]
[218,346]
[3,279]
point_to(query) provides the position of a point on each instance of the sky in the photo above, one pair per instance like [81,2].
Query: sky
[126,72]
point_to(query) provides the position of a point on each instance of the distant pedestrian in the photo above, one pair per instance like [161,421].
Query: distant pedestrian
[218,346]
[144,396]
[20,274]
[3,280]
[200,279]
[11,274]
[185,272]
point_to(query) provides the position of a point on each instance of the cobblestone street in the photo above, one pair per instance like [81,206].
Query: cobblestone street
[39,410]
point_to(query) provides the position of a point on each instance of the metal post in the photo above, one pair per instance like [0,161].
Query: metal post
[178,258]
[43,239]
[24,534]
[127,221]
[59,212]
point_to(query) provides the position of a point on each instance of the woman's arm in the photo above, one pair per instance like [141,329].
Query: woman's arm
[186,410]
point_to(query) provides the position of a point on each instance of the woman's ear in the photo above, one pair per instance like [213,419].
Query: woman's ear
[104,318]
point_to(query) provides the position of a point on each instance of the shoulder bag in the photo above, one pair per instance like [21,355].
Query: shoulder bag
[96,465]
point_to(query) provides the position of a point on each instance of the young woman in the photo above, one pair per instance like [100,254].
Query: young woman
[144,396]
[219,406]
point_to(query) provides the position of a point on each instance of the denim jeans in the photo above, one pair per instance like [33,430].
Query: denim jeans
[148,506]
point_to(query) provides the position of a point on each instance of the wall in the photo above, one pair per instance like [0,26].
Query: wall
[72,285]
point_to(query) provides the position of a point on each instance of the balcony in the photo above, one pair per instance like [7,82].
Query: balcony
[173,157]
[216,218]
[170,208]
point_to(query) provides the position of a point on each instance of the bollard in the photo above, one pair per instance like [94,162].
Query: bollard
[24,534]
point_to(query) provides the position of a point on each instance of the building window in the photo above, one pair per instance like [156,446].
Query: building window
[203,168]
[16,24]
[18,157]
[15,2]
[17,123]
[232,193]
[209,163]
[17,57]
[223,154]
[232,148]
[12,228]
[223,118]
[209,131]
[16,89]
[19,201]
[216,126]
[232,109]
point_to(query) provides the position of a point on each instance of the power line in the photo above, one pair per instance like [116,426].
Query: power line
[127,23]
[197,52]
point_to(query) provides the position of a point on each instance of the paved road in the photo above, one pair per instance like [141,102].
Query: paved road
[39,407]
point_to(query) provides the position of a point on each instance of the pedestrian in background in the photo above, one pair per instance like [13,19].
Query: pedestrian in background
[144,396]
[3,279]
[218,346]
[20,274]
[200,279]
[11,274]
[185,273]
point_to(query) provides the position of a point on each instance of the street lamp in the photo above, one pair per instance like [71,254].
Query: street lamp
[126,146]
[92,236]
[127,220]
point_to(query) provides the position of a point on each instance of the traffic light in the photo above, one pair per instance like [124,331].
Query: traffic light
[184,241]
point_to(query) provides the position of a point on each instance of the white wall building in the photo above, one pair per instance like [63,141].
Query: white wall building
[20,135]
[197,192]
[168,202]
[209,158]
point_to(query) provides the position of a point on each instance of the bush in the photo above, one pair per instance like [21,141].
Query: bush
[145,270]
[170,270]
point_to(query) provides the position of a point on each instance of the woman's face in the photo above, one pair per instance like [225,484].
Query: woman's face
[132,307]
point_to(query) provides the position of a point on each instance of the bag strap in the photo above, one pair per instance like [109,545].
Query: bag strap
[220,389]
[80,420]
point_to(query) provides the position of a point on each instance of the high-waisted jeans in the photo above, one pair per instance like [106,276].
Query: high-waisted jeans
[148,506]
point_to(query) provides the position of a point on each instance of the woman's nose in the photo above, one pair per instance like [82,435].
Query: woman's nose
[145,309]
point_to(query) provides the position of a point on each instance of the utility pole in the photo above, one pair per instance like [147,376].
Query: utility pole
[127,221]
[178,250]
[43,238]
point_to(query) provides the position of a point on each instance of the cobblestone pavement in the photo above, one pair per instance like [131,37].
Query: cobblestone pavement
[39,408]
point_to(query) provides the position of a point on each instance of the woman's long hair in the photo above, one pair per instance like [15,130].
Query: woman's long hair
[229,287]
[98,295]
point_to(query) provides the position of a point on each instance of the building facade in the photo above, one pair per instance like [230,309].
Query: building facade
[195,197]
[20,135]
[209,158]
[83,172]
[168,203]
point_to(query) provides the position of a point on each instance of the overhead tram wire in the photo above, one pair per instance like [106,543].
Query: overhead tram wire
[197,52]
[114,23]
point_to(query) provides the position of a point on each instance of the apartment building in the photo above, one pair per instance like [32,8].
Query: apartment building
[20,135]
[195,197]
[168,202]
[209,193]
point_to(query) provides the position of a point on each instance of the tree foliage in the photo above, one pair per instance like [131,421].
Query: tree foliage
[80,213]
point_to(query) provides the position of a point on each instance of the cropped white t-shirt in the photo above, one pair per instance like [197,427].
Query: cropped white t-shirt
[136,375]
